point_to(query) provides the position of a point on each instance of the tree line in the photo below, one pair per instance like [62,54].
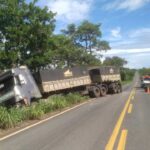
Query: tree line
[144,71]
[27,38]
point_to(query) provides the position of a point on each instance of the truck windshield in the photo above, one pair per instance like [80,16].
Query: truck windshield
[6,85]
[147,79]
[6,89]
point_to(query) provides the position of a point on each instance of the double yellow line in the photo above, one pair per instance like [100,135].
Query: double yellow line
[111,142]
[122,142]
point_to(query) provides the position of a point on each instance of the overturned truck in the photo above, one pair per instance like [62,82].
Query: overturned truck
[18,85]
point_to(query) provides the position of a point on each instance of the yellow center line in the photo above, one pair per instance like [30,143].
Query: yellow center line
[122,141]
[115,132]
[130,108]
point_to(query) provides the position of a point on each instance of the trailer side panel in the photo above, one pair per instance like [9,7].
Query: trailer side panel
[61,79]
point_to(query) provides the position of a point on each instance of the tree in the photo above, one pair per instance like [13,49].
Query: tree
[114,61]
[70,31]
[127,74]
[26,38]
[25,30]
[64,53]
[87,35]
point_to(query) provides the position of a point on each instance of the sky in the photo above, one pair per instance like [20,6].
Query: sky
[125,24]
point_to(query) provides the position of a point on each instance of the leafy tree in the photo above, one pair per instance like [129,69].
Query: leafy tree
[87,35]
[25,30]
[102,45]
[70,31]
[114,61]
[127,74]
[26,37]
[144,71]
[65,53]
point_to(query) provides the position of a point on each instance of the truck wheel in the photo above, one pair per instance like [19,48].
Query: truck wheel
[94,92]
[119,88]
[113,88]
[103,91]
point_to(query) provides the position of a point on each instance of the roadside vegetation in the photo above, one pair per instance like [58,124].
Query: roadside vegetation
[12,117]
[144,71]
[27,37]
[127,75]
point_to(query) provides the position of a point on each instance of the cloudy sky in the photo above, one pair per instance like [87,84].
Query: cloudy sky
[125,24]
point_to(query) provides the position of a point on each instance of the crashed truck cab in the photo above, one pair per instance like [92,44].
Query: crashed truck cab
[18,86]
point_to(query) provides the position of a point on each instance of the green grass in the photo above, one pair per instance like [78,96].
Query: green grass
[11,117]
[126,82]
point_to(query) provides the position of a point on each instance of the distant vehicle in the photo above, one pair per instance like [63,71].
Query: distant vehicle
[145,81]
[19,86]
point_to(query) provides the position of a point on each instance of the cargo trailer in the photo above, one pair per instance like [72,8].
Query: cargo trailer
[18,85]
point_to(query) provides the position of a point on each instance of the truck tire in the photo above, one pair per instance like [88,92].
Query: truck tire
[103,91]
[119,88]
[113,88]
[94,92]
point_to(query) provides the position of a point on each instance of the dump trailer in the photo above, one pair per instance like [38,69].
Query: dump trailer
[105,80]
[61,80]
[96,81]
[18,85]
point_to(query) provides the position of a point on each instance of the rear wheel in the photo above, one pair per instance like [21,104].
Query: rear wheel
[113,88]
[103,91]
[119,88]
[94,91]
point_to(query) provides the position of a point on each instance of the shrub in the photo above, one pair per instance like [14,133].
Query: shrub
[46,106]
[5,118]
[35,112]
[58,102]
[74,98]
[11,117]
[17,115]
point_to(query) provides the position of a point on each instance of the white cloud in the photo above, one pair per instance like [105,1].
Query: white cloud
[122,52]
[126,4]
[137,58]
[140,32]
[134,46]
[137,38]
[116,33]
[70,10]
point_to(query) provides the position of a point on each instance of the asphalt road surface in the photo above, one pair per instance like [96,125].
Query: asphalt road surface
[119,121]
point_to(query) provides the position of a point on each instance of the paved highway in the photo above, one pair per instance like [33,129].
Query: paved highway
[118,121]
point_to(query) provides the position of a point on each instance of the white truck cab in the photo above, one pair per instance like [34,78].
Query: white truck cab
[17,85]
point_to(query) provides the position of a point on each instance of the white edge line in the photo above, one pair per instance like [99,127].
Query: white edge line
[42,121]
